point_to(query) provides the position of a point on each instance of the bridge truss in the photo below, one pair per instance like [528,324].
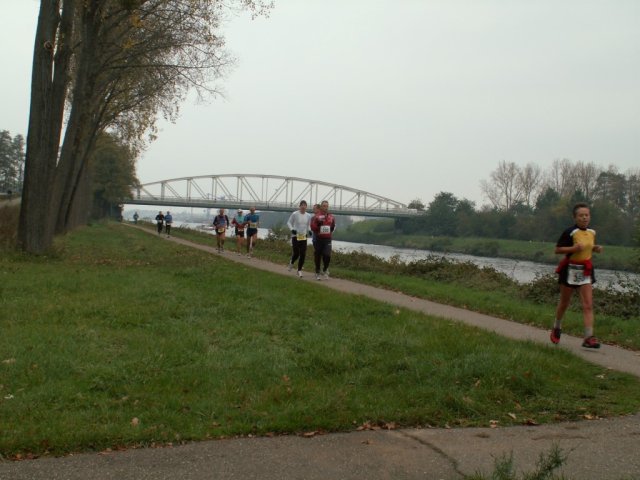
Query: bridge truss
[264,192]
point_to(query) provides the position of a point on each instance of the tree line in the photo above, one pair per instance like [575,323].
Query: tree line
[108,67]
[11,162]
[527,203]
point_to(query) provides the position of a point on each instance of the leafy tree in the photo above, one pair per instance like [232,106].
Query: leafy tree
[11,161]
[441,215]
[112,173]
[115,64]
[416,204]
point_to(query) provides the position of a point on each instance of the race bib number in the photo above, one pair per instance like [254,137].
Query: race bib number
[576,276]
[301,236]
[253,225]
[221,230]
[325,229]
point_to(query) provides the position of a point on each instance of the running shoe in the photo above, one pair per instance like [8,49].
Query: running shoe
[326,274]
[591,342]
[317,276]
[299,273]
[290,267]
[555,335]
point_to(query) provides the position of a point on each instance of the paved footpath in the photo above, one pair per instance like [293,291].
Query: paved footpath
[598,449]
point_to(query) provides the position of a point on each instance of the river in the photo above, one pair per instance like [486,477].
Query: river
[521,271]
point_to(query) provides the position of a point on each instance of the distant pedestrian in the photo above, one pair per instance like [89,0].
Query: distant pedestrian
[221,223]
[252,221]
[323,224]
[300,225]
[168,220]
[576,272]
[159,222]
[239,225]
[135,217]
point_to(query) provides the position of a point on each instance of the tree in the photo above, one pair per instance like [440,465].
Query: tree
[529,183]
[587,178]
[562,177]
[441,214]
[611,186]
[417,204]
[112,173]
[116,64]
[503,189]
[11,162]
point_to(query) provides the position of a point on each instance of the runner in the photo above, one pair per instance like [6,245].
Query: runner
[221,223]
[159,221]
[323,224]
[316,211]
[576,272]
[168,220]
[252,220]
[299,223]
[239,224]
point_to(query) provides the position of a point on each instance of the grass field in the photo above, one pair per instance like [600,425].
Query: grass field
[120,338]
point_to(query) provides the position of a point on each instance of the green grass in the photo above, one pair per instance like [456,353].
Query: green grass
[118,325]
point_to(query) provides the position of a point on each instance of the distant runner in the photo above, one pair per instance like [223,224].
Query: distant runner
[323,224]
[300,224]
[252,221]
[221,223]
[159,222]
[575,272]
[238,223]
[168,220]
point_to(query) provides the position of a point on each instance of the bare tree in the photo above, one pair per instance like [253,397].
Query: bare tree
[529,183]
[587,178]
[561,177]
[502,189]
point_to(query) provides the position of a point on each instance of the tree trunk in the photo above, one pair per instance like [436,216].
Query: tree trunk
[81,127]
[49,82]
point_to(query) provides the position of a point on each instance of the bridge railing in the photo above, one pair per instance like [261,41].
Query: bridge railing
[273,206]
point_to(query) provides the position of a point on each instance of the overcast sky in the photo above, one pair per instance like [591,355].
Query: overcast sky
[401,98]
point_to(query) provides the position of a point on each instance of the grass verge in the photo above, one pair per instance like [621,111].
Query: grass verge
[120,338]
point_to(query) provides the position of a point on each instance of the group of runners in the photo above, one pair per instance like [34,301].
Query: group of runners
[319,227]
[162,221]
[240,223]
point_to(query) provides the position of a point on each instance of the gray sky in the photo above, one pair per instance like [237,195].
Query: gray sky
[401,98]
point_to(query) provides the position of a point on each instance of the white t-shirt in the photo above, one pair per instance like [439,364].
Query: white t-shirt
[300,222]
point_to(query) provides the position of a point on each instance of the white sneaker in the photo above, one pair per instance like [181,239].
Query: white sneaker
[326,274]
[299,273]
[317,276]
[290,267]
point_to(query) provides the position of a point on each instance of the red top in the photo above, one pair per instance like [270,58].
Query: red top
[323,225]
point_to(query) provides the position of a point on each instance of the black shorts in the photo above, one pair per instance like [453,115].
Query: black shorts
[239,233]
[562,277]
[251,232]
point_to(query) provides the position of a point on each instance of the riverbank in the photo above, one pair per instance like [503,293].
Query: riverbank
[149,343]
[613,258]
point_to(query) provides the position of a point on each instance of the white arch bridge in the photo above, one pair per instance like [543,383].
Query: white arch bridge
[264,192]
